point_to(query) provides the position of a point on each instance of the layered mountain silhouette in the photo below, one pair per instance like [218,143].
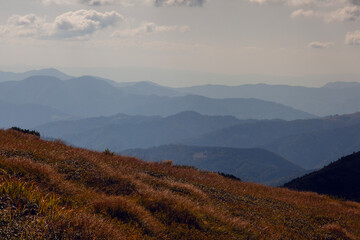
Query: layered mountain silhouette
[11,76]
[333,98]
[308,143]
[28,115]
[121,131]
[91,97]
[339,179]
[318,148]
[254,165]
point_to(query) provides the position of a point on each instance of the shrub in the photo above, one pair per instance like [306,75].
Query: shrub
[229,176]
[108,152]
[26,131]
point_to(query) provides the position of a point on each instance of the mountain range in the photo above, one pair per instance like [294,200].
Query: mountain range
[122,131]
[28,115]
[333,98]
[253,165]
[11,76]
[308,143]
[92,97]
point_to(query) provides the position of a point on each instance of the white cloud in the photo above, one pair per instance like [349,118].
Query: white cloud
[88,2]
[353,38]
[78,24]
[177,3]
[297,3]
[348,13]
[320,45]
[328,10]
[302,13]
[156,3]
[83,23]
[149,28]
[23,26]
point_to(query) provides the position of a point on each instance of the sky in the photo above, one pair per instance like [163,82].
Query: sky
[284,39]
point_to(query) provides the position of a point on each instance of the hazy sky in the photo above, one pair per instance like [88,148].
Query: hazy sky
[268,37]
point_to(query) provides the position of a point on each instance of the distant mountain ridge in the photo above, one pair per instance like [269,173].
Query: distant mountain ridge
[254,165]
[340,178]
[121,132]
[307,143]
[28,115]
[11,76]
[333,98]
[91,97]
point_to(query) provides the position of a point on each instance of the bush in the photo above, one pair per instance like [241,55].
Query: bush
[108,152]
[229,176]
[26,131]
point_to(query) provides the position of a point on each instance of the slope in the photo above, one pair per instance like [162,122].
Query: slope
[340,178]
[49,190]
[253,165]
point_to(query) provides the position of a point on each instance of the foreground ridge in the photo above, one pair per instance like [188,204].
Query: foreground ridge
[51,191]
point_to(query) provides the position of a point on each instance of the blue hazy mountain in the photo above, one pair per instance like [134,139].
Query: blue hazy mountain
[121,131]
[254,165]
[11,76]
[28,115]
[318,148]
[334,98]
[147,88]
[308,143]
[90,97]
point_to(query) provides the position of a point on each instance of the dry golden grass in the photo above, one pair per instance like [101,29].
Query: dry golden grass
[51,191]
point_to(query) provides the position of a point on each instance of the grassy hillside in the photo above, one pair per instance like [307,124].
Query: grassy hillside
[340,178]
[51,191]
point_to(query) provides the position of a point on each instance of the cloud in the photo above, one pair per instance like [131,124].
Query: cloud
[149,28]
[97,2]
[302,13]
[79,24]
[24,26]
[83,23]
[353,38]
[87,2]
[268,1]
[355,2]
[297,3]
[320,45]
[348,13]
[156,3]
[178,3]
